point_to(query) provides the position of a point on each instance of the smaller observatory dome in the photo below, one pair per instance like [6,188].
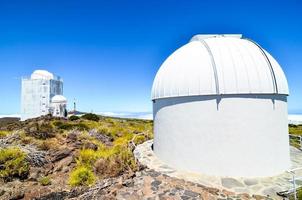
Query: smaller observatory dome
[219,64]
[58,99]
[42,74]
[58,106]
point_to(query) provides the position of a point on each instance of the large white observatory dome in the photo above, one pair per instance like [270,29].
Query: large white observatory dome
[220,108]
[219,64]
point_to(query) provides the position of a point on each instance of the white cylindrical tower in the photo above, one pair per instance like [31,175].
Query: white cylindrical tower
[220,108]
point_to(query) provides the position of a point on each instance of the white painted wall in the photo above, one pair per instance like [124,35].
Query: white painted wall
[236,135]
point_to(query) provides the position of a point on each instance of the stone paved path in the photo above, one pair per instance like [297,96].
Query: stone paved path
[259,186]
[151,185]
[147,184]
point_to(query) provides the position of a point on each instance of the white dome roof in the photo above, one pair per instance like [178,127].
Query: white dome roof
[58,99]
[42,74]
[219,64]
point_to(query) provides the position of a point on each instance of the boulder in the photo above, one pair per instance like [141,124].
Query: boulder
[73,136]
[90,145]
[60,154]
[107,140]
[34,174]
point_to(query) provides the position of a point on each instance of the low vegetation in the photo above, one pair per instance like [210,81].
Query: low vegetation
[49,144]
[78,151]
[299,195]
[70,125]
[74,118]
[82,150]
[295,131]
[45,180]
[114,159]
[4,133]
[82,176]
[13,164]
[43,130]
[91,116]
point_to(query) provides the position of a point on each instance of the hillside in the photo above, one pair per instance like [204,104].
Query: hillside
[87,158]
[45,156]
[8,120]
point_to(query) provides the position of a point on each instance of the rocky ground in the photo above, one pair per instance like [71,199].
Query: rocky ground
[54,148]
[144,184]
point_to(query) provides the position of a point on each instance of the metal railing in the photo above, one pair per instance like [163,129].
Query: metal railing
[294,179]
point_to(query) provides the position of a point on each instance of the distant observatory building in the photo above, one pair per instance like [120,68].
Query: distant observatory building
[38,95]
[58,106]
[220,108]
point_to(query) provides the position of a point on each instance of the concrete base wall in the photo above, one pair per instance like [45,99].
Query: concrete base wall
[229,135]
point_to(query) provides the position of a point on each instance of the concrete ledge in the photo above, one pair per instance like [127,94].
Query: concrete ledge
[260,186]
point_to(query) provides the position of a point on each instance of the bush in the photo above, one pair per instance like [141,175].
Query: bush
[82,176]
[4,133]
[45,181]
[114,161]
[61,125]
[48,144]
[87,157]
[299,194]
[73,118]
[24,139]
[13,164]
[139,139]
[40,130]
[295,130]
[292,125]
[69,126]
[91,116]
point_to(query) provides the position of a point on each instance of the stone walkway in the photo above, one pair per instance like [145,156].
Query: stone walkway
[261,186]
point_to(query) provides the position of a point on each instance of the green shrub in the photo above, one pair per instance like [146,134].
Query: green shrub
[114,161]
[293,125]
[61,125]
[45,127]
[295,142]
[69,126]
[82,176]
[13,164]
[24,139]
[91,116]
[48,144]
[139,139]
[45,180]
[73,118]
[40,130]
[104,131]
[87,157]
[299,195]
[81,127]
[4,133]
[295,130]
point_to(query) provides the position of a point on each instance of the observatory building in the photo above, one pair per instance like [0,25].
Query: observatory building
[37,93]
[220,108]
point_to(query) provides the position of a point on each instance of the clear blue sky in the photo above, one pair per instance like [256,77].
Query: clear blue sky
[108,52]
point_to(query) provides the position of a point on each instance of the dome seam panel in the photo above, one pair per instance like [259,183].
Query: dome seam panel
[213,65]
[268,63]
